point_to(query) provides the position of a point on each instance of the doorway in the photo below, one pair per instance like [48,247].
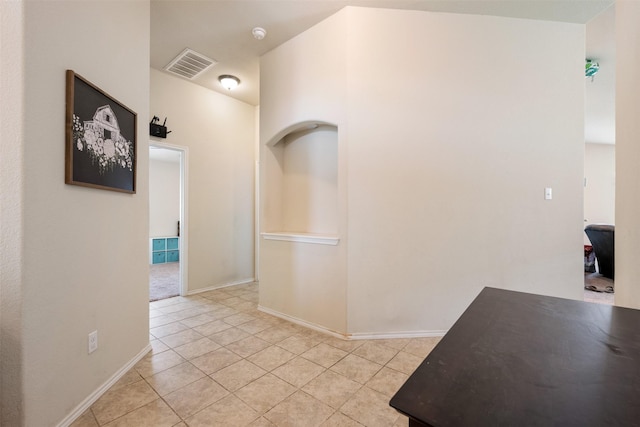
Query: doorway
[600,151]
[168,228]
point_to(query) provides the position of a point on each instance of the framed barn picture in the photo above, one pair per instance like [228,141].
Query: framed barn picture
[100,138]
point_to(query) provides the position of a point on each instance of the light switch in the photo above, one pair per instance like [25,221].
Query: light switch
[548,193]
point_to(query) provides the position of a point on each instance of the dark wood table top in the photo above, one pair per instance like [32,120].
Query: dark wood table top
[521,359]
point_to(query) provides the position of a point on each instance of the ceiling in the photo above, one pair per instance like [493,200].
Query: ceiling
[221,30]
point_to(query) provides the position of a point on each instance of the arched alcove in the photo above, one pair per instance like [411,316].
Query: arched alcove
[302,253]
[301,194]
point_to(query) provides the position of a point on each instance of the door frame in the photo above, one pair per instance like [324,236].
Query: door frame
[184,210]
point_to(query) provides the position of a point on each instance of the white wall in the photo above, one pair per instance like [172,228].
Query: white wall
[600,96]
[627,154]
[11,210]
[310,175]
[219,132]
[82,253]
[447,147]
[600,189]
[448,165]
[164,198]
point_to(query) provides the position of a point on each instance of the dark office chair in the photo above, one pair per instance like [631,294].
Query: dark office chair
[602,240]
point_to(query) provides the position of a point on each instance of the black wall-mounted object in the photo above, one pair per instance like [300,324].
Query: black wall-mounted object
[157,129]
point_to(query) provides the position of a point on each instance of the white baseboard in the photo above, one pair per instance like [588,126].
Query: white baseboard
[355,336]
[93,397]
[226,285]
[301,322]
[393,335]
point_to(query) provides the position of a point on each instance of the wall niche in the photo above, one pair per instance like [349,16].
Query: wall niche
[301,195]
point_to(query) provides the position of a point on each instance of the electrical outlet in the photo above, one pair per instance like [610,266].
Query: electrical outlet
[93,341]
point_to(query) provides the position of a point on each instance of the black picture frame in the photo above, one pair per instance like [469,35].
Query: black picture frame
[101,148]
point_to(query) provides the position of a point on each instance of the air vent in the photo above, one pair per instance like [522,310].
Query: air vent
[190,64]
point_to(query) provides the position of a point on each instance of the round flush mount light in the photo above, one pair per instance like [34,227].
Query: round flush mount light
[259,33]
[228,81]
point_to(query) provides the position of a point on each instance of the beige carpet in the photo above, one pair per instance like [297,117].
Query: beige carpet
[598,283]
[164,281]
[598,289]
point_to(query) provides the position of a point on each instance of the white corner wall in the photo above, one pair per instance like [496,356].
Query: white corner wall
[80,254]
[220,134]
[164,198]
[627,154]
[303,82]
[444,168]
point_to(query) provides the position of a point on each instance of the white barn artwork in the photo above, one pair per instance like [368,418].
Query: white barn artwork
[102,139]
[104,124]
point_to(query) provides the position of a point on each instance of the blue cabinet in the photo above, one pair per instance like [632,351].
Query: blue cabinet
[159,244]
[159,257]
[172,243]
[164,249]
[173,256]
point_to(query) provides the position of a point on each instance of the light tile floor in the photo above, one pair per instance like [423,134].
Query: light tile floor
[218,361]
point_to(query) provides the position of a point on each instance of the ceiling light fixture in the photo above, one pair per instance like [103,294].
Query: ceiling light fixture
[229,82]
[259,33]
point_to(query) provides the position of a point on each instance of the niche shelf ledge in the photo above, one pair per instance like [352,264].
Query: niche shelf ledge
[318,239]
